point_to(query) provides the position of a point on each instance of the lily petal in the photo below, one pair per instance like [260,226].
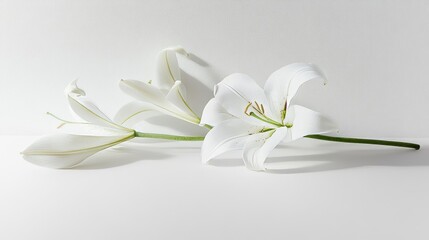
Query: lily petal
[283,84]
[85,109]
[134,112]
[168,70]
[64,151]
[259,146]
[214,114]
[150,94]
[236,91]
[177,96]
[306,121]
[89,129]
[227,136]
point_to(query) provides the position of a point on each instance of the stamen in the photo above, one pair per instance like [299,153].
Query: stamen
[283,114]
[257,106]
[247,108]
[260,114]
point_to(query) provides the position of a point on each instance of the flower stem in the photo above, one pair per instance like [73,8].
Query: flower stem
[364,141]
[168,137]
[314,136]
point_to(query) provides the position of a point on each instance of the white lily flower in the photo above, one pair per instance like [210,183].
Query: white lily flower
[247,117]
[80,139]
[166,93]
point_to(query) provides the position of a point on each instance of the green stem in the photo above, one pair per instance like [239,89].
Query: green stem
[168,137]
[314,136]
[364,141]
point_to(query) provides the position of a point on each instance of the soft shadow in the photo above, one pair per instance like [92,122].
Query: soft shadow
[199,78]
[347,159]
[119,156]
[197,90]
[330,156]
[227,162]
[198,60]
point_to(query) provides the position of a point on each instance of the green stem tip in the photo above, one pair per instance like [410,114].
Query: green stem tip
[364,141]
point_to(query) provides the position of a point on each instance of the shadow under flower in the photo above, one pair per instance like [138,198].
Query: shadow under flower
[347,159]
[119,156]
[327,156]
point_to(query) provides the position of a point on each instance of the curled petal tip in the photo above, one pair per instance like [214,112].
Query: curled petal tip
[181,50]
[72,88]
[178,49]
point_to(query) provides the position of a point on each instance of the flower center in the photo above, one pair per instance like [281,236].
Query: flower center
[256,110]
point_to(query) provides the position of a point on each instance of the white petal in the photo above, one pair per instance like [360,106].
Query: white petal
[89,129]
[85,128]
[150,94]
[214,114]
[283,84]
[133,113]
[64,151]
[227,136]
[85,109]
[170,125]
[306,121]
[235,92]
[177,96]
[259,146]
[168,70]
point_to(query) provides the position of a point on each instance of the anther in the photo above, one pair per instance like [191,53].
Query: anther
[247,108]
[285,106]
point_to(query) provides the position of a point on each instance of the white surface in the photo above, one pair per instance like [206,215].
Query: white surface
[335,191]
[374,53]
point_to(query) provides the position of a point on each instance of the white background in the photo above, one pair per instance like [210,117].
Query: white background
[375,54]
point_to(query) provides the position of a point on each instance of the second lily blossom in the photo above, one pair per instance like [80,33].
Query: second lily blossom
[166,92]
